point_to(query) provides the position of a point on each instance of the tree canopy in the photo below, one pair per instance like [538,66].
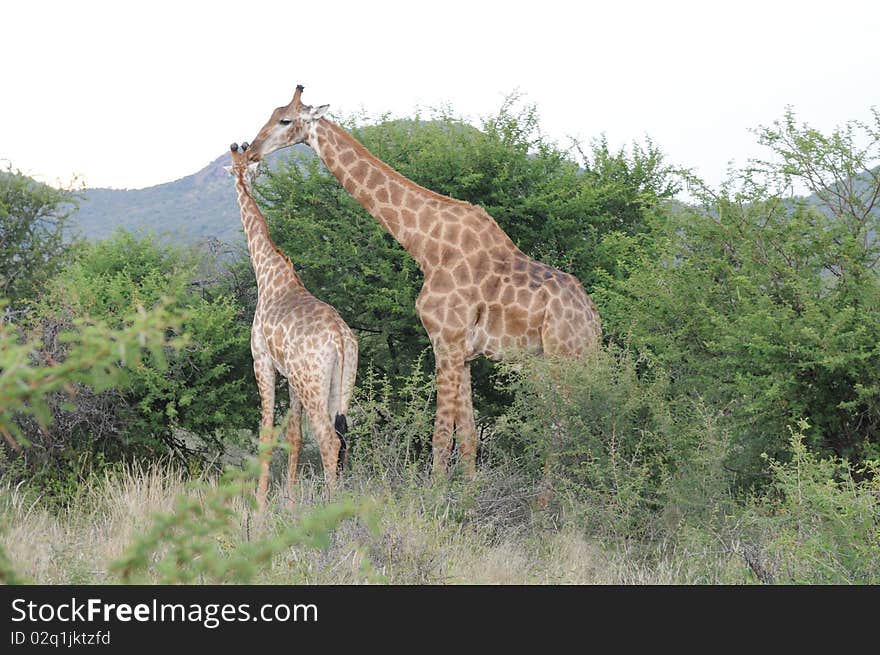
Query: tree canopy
[35,238]
[767,302]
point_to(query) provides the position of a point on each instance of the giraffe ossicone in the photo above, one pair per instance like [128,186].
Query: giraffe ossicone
[481,295]
[298,336]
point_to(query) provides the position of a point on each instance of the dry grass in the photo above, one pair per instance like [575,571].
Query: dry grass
[485,533]
[75,544]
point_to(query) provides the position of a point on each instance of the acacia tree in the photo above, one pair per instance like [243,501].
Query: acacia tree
[34,234]
[766,301]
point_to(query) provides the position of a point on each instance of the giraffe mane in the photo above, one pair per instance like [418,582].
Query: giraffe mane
[361,150]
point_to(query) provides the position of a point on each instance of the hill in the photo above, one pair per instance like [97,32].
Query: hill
[194,208]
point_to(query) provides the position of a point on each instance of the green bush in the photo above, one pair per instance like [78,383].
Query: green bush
[392,423]
[95,355]
[607,426]
[35,237]
[820,522]
[190,398]
[767,304]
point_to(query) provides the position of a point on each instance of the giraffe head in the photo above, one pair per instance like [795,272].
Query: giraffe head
[240,163]
[288,125]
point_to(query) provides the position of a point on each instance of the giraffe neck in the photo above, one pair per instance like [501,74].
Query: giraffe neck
[272,268]
[410,213]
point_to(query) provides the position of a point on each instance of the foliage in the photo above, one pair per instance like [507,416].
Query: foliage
[766,303]
[94,352]
[203,386]
[607,428]
[8,574]
[820,523]
[34,234]
[408,533]
[390,440]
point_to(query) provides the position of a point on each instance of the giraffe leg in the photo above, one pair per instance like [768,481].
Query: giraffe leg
[449,373]
[294,439]
[465,428]
[328,443]
[320,417]
[264,371]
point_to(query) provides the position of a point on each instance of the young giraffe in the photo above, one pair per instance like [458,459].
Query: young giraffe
[301,338]
[481,296]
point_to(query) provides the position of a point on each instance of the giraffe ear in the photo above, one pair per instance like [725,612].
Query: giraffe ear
[317,112]
[228,169]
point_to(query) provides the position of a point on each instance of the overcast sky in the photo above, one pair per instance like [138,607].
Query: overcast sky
[129,95]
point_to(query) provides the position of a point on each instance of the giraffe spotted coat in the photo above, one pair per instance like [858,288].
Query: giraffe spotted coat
[301,338]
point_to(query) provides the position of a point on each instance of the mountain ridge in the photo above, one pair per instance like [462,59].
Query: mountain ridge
[193,208]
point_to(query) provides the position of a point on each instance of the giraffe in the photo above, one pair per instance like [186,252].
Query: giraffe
[481,294]
[300,337]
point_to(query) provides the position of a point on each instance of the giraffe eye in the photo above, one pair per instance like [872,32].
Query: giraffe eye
[285,121]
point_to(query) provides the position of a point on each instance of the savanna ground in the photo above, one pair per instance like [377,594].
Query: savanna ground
[419,535]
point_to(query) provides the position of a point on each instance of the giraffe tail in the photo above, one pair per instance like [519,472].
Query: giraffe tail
[341,425]
[346,361]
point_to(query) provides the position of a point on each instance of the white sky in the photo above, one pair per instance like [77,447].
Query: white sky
[129,95]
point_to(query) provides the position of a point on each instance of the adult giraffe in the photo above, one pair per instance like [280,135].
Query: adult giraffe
[481,296]
[300,337]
